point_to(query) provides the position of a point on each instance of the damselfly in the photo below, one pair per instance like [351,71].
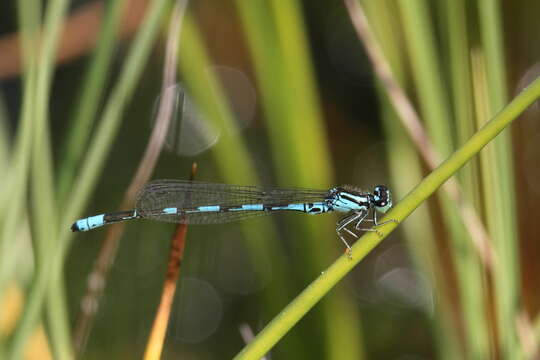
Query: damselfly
[193,202]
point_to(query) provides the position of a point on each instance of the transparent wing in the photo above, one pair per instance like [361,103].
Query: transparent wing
[189,195]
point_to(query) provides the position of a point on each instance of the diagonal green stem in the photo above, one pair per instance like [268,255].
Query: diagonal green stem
[284,321]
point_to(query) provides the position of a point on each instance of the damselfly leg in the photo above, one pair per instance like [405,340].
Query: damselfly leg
[358,218]
[375,222]
[342,226]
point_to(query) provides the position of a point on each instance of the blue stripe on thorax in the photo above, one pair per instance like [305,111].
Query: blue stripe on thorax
[308,208]
[345,202]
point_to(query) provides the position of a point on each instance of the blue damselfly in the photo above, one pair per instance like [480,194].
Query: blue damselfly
[191,202]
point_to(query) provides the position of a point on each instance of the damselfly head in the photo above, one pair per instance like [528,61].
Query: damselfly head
[381,198]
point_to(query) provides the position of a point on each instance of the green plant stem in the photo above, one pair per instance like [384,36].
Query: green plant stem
[86,108]
[233,159]
[438,117]
[279,51]
[498,176]
[473,292]
[425,63]
[284,321]
[110,122]
[13,196]
[5,145]
[44,206]
[406,171]
[305,161]
[458,53]
[84,114]
[90,172]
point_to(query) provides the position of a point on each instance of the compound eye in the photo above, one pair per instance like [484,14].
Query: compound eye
[379,190]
